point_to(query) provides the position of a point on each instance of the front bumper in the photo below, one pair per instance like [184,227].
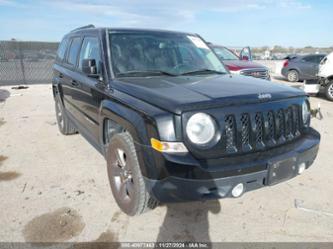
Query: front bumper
[178,189]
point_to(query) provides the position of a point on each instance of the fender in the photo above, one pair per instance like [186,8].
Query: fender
[135,124]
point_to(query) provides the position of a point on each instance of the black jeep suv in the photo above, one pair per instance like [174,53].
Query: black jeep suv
[172,122]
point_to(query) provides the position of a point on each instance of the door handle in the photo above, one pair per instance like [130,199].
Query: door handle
[75,83]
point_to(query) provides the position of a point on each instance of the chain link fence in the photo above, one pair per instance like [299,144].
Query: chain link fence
[26,62]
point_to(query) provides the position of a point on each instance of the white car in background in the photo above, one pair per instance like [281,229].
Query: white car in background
[325,78]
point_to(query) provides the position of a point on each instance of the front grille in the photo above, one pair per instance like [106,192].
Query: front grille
[259,127]
[258,130]
[230,133]
[245,123]
[256,72]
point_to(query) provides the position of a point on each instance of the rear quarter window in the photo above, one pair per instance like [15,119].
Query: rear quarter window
[62,49]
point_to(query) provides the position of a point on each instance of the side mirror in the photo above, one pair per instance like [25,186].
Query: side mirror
[89,67]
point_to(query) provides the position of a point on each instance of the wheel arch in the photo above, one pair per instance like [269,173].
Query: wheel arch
[57,91]
[330,78]
[128,120]
[294,69]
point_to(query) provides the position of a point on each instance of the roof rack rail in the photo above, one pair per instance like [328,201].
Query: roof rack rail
[84,27]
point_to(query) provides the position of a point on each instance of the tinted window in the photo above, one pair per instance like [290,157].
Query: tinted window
[312,59]
[62,49]
[90,50]
[74,51]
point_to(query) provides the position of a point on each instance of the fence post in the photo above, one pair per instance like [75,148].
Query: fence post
[21,62]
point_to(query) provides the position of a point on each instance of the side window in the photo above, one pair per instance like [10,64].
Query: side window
[311,59]
[62,49]
[74,51]
[90,50]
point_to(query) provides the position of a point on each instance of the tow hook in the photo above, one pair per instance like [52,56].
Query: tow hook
[316,112]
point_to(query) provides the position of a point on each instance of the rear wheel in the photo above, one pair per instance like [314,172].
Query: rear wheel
[64,124]
[126,180]
[329,91]
[293,76]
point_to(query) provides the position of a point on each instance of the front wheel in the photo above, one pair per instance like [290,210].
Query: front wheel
[329,91]
[126,180]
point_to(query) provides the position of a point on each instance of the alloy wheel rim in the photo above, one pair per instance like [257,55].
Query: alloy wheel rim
[122,177]
[292,76]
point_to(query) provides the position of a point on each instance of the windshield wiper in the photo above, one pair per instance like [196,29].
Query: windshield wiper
[145,73]
[203,71]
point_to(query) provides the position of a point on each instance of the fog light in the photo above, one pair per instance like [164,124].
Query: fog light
[301,168]
[238,190]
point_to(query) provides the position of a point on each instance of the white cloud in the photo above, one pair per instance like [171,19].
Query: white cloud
[294,4]
[10,3]
[15,4]
[5,2]
[164,14]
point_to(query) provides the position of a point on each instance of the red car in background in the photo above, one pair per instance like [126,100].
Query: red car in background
[242,64]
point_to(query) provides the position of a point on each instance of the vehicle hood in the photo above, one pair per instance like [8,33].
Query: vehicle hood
[236,65]
[185,93]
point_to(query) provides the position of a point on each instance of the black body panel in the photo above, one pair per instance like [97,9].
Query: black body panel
[159,107]
[185,93]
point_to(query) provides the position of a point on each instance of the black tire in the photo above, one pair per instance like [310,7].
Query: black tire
[126,181]
[293,76]
[329,91]
[64,124]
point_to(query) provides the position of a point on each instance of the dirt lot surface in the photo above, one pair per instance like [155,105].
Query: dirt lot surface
[55,188]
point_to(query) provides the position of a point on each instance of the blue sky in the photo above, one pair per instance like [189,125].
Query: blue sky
[229,22]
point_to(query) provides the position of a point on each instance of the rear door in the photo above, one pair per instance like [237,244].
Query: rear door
[309,67]
[70,85]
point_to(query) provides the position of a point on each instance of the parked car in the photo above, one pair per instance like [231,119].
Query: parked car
[324,80]
[171,122]
[301,67]
[242,64]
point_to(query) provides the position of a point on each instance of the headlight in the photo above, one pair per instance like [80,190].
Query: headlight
[306,113]
[201,128]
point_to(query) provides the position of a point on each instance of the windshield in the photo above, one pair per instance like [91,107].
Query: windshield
[161,53]
[225,54]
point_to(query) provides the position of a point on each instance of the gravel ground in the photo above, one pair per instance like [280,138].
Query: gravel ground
[54,188]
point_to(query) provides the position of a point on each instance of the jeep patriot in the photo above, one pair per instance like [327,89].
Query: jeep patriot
[171,121]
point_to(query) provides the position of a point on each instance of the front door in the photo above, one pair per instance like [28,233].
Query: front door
[89,93]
